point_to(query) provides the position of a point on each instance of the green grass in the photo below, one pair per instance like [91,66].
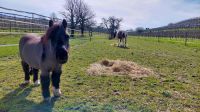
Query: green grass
[174,86]
[9,39]
[178,41]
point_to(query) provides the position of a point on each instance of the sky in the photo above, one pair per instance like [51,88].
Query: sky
[135,13]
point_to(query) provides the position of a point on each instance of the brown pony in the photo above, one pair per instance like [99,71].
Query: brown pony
[46,53]
[122,38]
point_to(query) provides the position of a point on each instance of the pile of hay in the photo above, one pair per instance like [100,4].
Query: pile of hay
[118,67]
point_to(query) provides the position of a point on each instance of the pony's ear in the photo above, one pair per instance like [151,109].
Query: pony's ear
[50,23]
[64,23]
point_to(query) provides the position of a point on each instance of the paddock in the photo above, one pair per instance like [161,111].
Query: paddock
[174,84]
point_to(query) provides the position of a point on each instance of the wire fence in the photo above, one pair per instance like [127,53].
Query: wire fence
[185,30]
[20,22]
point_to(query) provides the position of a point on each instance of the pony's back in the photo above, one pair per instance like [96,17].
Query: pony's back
[29,48]
[121,34]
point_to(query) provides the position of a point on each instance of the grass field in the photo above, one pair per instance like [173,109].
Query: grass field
[174,86]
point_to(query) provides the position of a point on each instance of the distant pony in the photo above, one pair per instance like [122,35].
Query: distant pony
[48,54]
[122,38]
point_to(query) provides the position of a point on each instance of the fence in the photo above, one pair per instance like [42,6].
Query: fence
[188,29]
[19,22]
[172,34]
[15,21]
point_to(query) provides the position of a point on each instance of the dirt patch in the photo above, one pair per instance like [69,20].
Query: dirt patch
[118,67]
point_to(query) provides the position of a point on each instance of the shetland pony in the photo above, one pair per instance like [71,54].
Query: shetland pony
[47,53]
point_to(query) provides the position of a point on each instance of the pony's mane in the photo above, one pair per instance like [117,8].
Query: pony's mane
[48,35]
[50,32]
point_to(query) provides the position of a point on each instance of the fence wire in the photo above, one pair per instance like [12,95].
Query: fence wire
[20,22]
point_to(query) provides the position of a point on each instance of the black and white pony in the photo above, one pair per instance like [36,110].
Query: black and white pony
[122,38]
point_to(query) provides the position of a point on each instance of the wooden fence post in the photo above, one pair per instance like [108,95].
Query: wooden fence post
[10,27]
[32,23]
[186,38]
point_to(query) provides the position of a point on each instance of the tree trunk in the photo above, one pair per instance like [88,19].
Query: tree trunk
[72,24]
[82,29]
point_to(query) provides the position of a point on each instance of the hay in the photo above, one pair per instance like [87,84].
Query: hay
[118,67]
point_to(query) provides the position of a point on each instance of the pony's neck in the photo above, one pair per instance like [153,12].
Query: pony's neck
[47,44]
[44,39]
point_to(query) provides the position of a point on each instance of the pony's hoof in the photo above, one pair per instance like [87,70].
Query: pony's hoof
[56,92]
[47,100]
[37,83]
[24,84]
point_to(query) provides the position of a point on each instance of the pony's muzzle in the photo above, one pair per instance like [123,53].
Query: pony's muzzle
[62,55]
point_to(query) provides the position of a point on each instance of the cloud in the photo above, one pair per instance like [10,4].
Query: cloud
[135,13]
[146,13]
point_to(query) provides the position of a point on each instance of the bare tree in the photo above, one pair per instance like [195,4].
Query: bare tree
[90,25]
[100,28]
[78,13]
[85,16]
[71,7]
[112,24]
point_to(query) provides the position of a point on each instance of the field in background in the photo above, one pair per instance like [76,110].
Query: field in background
[175,85]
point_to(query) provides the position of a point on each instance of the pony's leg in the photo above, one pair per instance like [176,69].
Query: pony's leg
[35,77]
[25,67]
[56,82]
[45,83]
[30,70]
[125,41]
[122,42]
[119,42]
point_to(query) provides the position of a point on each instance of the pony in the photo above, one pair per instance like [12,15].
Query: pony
[47,53]
[122,38]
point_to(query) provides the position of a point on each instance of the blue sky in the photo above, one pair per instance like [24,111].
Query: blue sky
[135,13]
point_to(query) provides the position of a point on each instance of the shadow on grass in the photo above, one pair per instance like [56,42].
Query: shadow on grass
[123,47]
[16,101]
[80,38]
